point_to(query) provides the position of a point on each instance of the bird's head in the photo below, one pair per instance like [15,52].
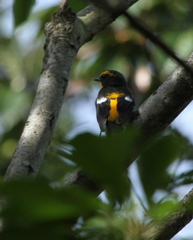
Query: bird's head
[111,78]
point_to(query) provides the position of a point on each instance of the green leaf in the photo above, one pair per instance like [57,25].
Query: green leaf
[182,179]
[21,10]
[105,159]
[35,202]
[155,160]
[163,209]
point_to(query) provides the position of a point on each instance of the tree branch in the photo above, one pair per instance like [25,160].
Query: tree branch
[165,104]
[49,97]
[177,220]
[92,20]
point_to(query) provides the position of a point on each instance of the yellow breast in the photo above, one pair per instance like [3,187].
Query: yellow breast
[113,114]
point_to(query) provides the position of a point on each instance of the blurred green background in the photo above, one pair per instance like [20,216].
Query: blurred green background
[145,67]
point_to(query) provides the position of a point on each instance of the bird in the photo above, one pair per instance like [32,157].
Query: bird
[115,102]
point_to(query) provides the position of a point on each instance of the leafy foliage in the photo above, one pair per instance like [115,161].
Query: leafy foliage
[156,160]
[43,211]
[36,208]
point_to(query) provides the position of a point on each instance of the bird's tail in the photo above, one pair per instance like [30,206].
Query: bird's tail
[113,128]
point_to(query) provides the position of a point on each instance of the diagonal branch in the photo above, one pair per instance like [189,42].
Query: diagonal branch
[177,220]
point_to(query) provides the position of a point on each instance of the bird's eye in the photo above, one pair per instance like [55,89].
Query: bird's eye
[104,75]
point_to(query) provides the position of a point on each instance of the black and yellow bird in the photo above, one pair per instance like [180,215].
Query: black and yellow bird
[115,102]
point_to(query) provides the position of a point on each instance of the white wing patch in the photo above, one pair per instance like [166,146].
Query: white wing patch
[101,100]
[128,98]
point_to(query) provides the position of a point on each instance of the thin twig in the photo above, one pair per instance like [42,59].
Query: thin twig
[156,40]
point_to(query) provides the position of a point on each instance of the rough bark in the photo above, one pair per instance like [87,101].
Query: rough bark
[177,220]
[58,59]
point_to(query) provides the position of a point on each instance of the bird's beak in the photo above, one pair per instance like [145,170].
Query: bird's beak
[97,79]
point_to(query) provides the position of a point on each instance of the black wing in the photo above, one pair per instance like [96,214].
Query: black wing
[102,109]
[125,107]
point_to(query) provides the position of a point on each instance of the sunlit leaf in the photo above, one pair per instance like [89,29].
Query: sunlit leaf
[163,209]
